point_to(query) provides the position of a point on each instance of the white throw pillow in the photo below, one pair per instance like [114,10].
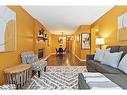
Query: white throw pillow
[123,64]
[112,59]
[100,54]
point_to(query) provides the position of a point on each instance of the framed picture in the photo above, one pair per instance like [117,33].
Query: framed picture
[122,27]
[7,29]
[78,38]
[60,40]
[85,41]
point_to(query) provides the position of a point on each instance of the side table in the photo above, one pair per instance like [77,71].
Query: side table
[18,75]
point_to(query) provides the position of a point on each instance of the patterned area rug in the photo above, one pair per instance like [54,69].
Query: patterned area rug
[57,77]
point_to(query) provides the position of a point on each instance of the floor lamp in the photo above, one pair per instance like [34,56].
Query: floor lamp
[100,42]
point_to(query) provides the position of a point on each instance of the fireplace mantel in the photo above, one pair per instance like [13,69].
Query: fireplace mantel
[41,53]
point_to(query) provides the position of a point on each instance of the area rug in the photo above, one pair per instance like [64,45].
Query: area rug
[57,77]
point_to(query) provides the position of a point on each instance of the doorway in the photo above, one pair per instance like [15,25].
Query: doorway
[69,44]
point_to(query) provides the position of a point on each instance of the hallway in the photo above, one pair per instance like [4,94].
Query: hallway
[67,59]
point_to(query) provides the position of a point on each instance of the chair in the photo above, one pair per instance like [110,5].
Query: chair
[61,50]
[37,65]
[57,51]
[64,51]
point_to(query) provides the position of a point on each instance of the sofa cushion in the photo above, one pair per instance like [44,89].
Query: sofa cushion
[124,49]
[102,68]
[112,59]
[114,48]
[91,65]
[123,64]
[100,54]
[90,57]
[119,79]
[81,82]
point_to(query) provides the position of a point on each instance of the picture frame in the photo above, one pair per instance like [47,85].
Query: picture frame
[7,30]
[86,41]
[60,40]
[122,27]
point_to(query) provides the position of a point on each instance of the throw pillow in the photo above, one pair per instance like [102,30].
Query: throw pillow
[112,59]
[123,64]
[100,54]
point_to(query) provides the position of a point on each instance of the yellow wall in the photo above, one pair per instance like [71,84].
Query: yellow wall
[41,44]
[56,44]
[10,31]
[26,29]
[108,27]
[76,48]
[26,35]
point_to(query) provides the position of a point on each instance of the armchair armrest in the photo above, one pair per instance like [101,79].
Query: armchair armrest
[90,57]
[43,60]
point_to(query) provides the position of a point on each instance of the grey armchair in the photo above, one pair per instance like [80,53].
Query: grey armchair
[37,64]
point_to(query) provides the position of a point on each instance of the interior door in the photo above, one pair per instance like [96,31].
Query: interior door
[69,45]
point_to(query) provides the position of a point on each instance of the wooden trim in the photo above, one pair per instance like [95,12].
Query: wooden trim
[49,56]
[79,58]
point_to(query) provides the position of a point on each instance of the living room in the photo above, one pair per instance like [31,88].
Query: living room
[45,49]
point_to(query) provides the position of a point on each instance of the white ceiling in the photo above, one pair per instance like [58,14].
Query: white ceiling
[66,19]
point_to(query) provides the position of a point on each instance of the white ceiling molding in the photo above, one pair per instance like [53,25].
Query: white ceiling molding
[66,19]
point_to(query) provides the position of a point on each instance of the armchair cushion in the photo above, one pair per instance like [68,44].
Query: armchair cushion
[43,60]
[26,55]
[32,59]
[37,66]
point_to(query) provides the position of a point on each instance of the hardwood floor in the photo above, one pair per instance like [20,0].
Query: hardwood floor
[64,60]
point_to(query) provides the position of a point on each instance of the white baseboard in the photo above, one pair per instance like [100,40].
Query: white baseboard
[49,56]
[79,58]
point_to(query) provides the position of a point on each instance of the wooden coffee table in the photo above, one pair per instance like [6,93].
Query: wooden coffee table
[18,75]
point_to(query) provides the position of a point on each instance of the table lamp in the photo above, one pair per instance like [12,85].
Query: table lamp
[100,42]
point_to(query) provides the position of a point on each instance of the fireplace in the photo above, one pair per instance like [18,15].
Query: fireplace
[40,53]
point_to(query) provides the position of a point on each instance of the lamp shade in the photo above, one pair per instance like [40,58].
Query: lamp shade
[100,41]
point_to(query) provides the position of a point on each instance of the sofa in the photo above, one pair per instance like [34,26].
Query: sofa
[119,79]
[95,66]
[115,75]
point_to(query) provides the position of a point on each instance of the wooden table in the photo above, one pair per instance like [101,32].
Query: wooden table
[18,74]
